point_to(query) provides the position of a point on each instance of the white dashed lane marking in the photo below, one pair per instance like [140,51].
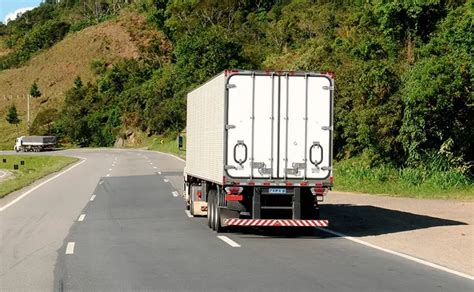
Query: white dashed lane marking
[70,248]
[175,194]
[81,218]
[228,241]
[93,198]
[165,180]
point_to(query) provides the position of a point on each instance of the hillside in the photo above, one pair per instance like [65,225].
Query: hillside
[404,71]
[55,69]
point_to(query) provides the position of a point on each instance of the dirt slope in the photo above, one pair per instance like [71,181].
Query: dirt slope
[55,70]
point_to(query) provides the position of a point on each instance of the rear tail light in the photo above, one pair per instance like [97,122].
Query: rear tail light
[233,193]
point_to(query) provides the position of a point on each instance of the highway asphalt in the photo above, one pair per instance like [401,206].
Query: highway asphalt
[115,223]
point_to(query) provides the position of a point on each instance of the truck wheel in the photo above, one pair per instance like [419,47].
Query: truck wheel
[191,207]
[209,210]
[217,215]
[212,198]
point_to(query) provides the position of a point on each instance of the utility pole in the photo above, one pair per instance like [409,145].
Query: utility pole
[28,107]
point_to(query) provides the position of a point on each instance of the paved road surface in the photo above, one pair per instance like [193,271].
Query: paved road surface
[113,224]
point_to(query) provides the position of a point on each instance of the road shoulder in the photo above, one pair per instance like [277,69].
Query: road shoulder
[438,231]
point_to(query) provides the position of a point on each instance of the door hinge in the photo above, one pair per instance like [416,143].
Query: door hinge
[292,171]
[327,128]
[228,127]
[299,165]
[258,164]
[231,86]
[328,87]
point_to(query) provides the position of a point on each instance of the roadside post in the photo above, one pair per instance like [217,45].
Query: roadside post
[180,141]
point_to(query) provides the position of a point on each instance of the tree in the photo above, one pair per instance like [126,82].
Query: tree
[34,91]
[12,116]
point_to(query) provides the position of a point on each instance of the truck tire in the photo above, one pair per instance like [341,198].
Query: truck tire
[209,214]
[212,199]
[190,201]
[191,207]
[217,215]
[209,210]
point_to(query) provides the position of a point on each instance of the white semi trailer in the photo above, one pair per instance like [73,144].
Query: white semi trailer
[259,148]
[35,143]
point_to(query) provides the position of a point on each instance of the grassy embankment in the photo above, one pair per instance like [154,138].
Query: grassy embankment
[35,168]
[55,69]
[353,175]
[166,144]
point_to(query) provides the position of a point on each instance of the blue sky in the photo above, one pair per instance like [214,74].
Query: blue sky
[8,7]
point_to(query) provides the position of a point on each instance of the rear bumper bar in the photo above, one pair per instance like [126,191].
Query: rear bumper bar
[276,222]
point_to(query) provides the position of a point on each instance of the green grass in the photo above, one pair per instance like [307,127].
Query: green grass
[166,144]
[35,168]
[353,175]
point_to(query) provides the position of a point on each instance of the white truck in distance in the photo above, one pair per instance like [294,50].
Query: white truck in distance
[259,148]
[35,143]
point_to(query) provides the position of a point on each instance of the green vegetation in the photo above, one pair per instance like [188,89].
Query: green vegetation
[165,143]
[404,75]
[35,168]
[34,90]
[44,26]
[433,181]
[12,116]
[168,145]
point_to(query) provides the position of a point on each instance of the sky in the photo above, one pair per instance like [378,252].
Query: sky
[9,8]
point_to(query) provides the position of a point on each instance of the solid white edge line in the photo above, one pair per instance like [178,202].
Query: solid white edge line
[81,218]
[92,197]
[188,213]
[40,185]
[175,194]
[172,155]
[70,248]
[228,241]
[402,255]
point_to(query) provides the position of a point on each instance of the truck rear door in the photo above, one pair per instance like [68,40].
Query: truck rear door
[279,126]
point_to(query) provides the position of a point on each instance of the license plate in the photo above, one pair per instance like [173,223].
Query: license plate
[277,191]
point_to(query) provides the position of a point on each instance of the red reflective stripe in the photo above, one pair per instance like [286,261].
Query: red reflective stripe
[304,183]
[234,197]
[289,184]
[266,183]
[276,222]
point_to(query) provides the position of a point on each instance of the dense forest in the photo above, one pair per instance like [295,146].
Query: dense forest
[404,69]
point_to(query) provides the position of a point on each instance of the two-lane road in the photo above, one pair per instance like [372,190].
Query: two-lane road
[114,223]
